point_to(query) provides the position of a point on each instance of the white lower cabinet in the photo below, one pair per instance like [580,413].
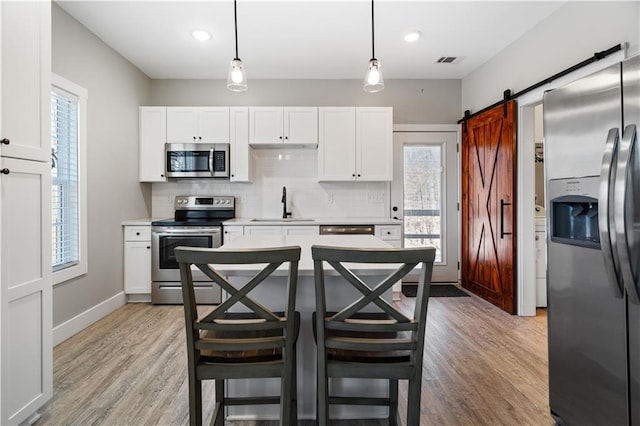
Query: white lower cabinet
[263,230]
[391,234]
[300,230]
[137,259]
[231,232]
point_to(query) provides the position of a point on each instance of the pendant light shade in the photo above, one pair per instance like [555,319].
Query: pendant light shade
[373,80]
[237,77]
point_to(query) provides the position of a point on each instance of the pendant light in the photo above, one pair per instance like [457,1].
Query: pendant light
[237,78]
[373,81]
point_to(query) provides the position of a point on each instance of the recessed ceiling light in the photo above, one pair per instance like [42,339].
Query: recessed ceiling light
[412,36]
[201,35]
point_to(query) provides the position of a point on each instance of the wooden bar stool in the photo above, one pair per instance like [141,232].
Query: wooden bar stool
[254,343]
[369,338]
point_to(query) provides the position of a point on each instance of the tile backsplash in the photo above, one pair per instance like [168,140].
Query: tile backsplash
[296,169]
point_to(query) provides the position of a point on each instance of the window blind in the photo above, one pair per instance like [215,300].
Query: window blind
[64,173]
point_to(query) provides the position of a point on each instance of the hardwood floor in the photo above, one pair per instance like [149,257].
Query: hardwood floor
[482,367]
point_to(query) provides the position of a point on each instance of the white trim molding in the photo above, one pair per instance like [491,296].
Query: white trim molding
[83,320]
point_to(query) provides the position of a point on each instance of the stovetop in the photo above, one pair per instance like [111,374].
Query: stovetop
[200,211]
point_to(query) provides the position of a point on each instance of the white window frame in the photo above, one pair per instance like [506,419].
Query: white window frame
[82,266]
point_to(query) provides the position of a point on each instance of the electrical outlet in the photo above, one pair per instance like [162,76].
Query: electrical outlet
[375,198]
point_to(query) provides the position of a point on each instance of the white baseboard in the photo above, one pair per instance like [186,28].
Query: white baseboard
[83,320]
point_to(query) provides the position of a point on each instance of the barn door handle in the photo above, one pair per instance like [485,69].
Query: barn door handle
[502,206]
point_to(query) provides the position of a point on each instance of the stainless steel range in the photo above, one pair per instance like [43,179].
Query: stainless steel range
[197,223]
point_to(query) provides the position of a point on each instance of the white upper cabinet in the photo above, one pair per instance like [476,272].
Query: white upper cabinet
[283,125]
[152,127]
[374,143]
[240,156]
[25,56]
[337,145]
[198,124]
[355,144]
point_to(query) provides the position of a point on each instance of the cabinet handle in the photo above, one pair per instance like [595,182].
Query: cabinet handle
[280,137]
[358,174]
[162,175]
[5,141]
[5,171]
[137,233]
[200,137]
[354,175]
[194,138]
[286,137]
[149,247]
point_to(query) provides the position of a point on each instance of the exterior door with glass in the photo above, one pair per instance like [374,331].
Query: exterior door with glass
[424,195]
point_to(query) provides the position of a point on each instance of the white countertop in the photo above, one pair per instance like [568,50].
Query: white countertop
[315,221]
[305,266]
[139,222]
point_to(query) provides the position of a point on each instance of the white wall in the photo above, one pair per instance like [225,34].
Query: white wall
[569,36]
[116,88]
[413,101]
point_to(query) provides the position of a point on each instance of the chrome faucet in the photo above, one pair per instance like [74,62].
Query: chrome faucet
[285,213]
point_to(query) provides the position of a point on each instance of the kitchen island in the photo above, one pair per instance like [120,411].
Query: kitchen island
[305,304]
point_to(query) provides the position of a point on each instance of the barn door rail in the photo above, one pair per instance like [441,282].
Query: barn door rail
[507,95]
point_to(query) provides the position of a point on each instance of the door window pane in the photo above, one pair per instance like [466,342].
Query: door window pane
[423,197]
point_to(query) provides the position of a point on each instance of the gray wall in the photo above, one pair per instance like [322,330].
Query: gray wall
[115,88]
[570,35]
[413,101]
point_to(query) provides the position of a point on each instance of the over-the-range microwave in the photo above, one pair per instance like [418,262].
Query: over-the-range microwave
[196,160]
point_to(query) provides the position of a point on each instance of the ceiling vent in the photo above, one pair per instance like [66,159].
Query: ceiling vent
[449,60]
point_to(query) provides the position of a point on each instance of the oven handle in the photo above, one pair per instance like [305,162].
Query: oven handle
[187,231]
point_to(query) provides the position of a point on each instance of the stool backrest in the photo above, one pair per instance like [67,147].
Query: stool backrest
[254,316]
[368,311]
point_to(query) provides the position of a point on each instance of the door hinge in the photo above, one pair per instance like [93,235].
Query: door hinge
[458,266]
[457,147]
[458,206]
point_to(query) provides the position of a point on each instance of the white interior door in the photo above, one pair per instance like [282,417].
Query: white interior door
[424,194]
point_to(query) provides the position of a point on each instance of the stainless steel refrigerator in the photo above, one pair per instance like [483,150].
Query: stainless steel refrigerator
[592,168]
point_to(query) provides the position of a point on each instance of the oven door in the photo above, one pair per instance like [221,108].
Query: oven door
[163,242]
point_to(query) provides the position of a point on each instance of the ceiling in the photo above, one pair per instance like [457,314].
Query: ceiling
[308,39]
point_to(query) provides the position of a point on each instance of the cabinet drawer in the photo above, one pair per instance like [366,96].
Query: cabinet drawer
[388,232]
[137,233]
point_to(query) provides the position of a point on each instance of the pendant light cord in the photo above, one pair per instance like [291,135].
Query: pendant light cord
[373,45]
[235,22]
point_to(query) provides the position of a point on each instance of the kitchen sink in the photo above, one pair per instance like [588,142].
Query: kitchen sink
[279,219]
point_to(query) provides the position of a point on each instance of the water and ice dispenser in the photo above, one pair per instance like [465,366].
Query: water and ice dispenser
[573,212]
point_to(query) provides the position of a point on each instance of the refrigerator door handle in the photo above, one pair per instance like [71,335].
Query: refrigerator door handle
[623,174]
[605,201]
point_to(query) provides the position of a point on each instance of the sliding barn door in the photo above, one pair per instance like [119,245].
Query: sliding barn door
[488,206]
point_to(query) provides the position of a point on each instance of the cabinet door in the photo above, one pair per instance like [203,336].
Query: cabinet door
[300,230]
[137,267]
[25,79]
[301,125]
[152,136]
[374,144]
[213,125]
[26,346]
[182,125]
[240,156]
[232,232]
[263,230]
[265,125]
[337,144]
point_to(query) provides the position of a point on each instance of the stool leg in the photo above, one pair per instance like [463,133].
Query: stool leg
[220,409]
[322,397]
[413,401]
[393,403]
[195,400]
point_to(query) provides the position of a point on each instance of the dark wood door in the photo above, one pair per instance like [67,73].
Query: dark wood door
[488,206]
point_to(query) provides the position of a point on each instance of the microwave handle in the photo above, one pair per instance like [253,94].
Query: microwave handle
[211,161]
